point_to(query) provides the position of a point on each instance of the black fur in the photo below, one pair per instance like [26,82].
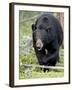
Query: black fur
[48,29]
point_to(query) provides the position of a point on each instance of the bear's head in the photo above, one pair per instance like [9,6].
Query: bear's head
[43,33]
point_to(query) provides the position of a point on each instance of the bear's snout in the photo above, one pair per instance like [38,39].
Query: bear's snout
[39,45]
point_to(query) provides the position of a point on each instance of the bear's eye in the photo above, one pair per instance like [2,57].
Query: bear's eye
[48,30]
[40,27]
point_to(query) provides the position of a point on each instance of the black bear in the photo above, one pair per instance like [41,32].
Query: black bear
[47,39]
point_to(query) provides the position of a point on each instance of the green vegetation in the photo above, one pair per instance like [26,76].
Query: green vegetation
[27,54]
[50,74]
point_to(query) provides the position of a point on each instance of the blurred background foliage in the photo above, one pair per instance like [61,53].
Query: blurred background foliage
[26,50]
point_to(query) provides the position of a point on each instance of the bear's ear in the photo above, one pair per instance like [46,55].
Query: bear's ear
[33,27]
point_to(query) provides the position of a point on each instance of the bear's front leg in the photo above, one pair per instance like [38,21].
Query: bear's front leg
[53,53]
[50,59]
[40,55]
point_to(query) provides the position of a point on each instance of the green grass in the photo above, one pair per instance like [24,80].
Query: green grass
[50,74]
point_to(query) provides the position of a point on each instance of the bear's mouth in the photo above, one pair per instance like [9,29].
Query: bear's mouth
[39,48]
